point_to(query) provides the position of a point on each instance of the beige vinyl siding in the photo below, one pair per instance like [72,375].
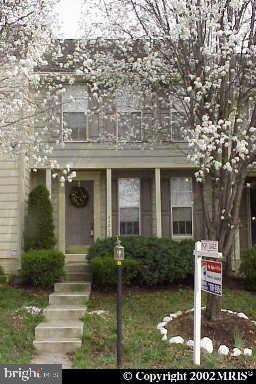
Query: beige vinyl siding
[9,216]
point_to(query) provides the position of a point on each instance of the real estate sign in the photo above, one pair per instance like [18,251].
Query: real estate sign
[212,277]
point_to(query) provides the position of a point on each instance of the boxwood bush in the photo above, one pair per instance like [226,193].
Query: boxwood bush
[104,271]
[42,268]
[161,261]
[248,268]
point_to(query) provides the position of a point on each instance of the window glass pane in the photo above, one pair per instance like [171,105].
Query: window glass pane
[129,125]
[182,221]
[77,122]
[129,203]
[181,191]
[75,99]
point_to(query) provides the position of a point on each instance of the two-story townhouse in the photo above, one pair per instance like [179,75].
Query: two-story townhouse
[133,188]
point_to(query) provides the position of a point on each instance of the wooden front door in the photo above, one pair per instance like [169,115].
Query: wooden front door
[79,220]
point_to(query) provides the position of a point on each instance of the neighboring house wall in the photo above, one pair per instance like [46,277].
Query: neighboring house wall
[14,186]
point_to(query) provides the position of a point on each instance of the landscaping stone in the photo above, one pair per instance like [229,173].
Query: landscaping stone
[236,352]
[223,350]
[167,319]
[161,325]
[248,352]
[206,344]
[242,316]
[176,340]
[163,331]
[164,338]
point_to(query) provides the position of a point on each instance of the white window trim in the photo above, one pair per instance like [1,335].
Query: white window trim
[119,222]
[86,140]
[181,237]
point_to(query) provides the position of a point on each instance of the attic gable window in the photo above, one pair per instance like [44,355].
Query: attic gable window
[129,114]
[74,111]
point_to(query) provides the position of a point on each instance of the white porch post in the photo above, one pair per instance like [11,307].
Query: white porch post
[61,223]
[158,202]
[49,181]
[109,202]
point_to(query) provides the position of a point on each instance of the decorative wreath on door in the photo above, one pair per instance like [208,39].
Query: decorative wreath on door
[79,197]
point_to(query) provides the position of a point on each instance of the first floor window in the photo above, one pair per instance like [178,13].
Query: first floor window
[181,206]
[129,206]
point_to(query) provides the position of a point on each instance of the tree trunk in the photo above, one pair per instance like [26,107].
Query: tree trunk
[213,307]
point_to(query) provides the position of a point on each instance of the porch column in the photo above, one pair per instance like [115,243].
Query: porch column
[61,221]
[49,181]
[109,202]
[158,202]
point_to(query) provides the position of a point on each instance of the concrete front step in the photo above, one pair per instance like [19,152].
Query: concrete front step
[64,312]
[72,286]
[66,298]
[76,267]
[78,276]
[57,345]
[75,257]
[59,330]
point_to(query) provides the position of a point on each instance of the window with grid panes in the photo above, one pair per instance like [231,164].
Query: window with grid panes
[181,206]
[74,107]
[129,206]
[129,115]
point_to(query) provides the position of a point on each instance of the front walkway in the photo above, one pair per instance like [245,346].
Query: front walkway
[62,330]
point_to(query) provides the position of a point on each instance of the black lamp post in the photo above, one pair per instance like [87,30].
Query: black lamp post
[119,257]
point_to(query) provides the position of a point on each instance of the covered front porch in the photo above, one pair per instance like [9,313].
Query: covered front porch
[145,201]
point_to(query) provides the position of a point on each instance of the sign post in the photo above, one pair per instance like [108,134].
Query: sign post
[207,277]
[197,304]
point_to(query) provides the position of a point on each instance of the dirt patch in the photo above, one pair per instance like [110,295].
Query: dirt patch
[230,330]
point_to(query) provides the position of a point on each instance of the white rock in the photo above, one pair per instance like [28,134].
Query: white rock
[190,310]
[229,311]
[164,338]
[161,325]
[179,313]
[173,315]
[236,352]
[190,343]
[248,352]
[242,315]
[223,350]
[224,310]
[167,319]
[163,331]
[254,322]
[206,344]
[176,340]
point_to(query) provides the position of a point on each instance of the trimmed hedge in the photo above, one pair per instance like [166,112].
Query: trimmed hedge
[162,261]
[42,268]
[104,271]
[248,267]
[39,226]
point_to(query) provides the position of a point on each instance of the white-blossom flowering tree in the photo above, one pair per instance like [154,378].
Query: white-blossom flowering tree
[28,98]
[202,52]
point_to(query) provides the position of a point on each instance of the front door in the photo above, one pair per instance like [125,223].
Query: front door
[79,213]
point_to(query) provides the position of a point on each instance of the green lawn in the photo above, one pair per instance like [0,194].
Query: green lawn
[16,325]
[142,345]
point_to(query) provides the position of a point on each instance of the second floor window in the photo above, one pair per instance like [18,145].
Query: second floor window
[75,107]
[129,115]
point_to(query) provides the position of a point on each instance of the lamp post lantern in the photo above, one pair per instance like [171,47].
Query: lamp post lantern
[119,258]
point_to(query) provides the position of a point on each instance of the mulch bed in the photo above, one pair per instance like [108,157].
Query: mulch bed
[224,331]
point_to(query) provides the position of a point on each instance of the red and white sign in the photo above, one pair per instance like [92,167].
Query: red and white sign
[212,277]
